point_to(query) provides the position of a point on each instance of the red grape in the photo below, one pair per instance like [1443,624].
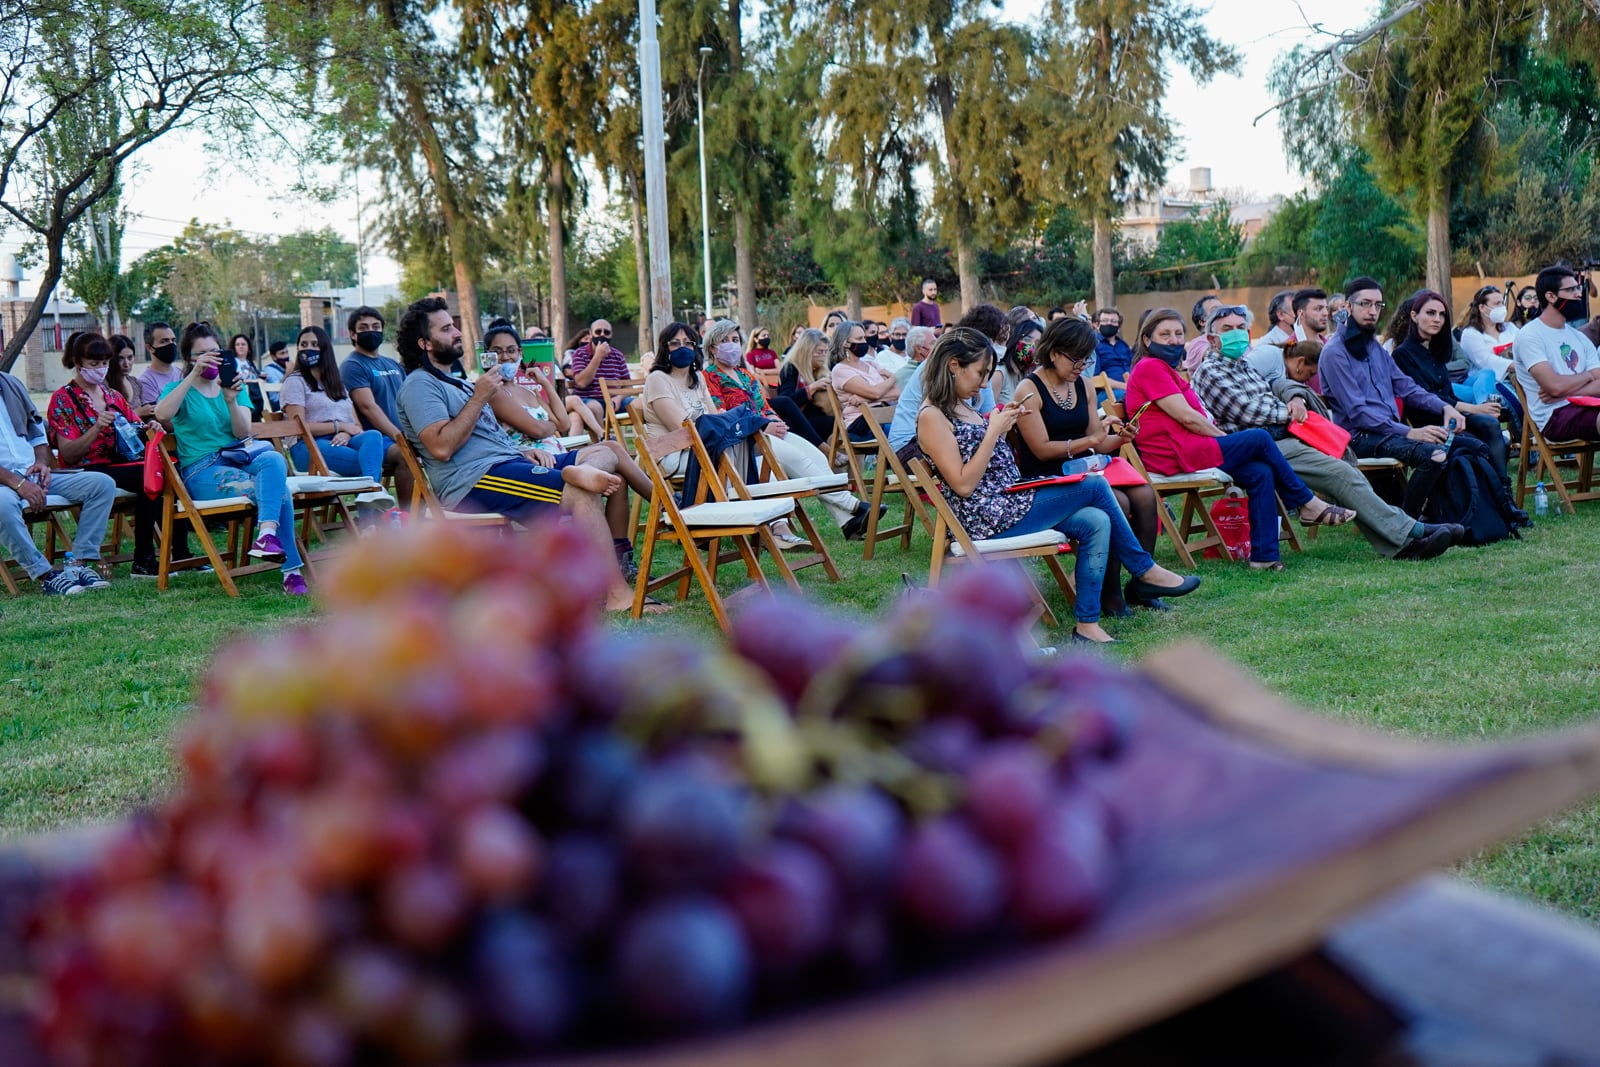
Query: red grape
[581,888]
[590,777]
[683,965]
[946,744]
[1062,872]
[680,830]
[950,882]
[520,980]
[811,641]
[1008,787]
[423,905]
[497,854]
[857,830]
[786,903]
[369,987]
[272,931]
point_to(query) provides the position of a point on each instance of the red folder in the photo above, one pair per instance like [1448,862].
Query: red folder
[1042,483]
[1321,434]
[1122,474]
[1585,401]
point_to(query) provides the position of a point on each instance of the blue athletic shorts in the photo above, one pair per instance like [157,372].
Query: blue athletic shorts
[519,489]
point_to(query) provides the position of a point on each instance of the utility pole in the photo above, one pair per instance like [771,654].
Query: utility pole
[655,168]
[361,272]
[705,210]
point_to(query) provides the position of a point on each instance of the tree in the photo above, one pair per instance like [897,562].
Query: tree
[1415,90]
[1199,247]
[85,84]
[1282,252]
[1363,230]
[1109,71]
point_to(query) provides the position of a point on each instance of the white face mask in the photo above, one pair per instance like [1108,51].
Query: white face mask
[1497,315]
[999,349]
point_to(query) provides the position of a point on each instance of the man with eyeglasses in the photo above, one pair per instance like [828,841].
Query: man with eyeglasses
[1112,355]
[594,360]
[1238,398]
[1556,363]
[1362,383]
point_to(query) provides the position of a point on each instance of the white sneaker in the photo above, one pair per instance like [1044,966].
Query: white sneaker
[87,577]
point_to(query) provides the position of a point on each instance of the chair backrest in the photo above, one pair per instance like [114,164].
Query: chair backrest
[711,474]
[423,499]
[283,432]
[613,390]
[914,487]
[946,527]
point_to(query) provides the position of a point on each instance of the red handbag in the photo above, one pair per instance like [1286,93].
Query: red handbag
[154,480]
[1232,516]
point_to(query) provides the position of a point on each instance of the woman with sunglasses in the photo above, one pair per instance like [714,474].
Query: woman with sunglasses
[1070,428]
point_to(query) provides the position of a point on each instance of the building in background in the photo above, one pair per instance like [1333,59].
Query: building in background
[1145,219]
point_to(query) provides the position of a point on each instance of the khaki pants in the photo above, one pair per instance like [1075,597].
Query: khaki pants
[1385,526]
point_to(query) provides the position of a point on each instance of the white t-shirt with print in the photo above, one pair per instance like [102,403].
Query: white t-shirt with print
[1566,350]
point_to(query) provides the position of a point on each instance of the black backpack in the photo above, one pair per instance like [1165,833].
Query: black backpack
[1468,491]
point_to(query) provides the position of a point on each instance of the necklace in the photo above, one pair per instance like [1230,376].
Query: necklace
[1068,404]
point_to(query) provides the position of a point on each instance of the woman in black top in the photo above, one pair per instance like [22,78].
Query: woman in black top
[803,375]
[1069,427]
[1423,351]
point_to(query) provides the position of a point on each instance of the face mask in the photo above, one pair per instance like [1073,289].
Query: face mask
[94,375]
[281,359]
[897,343]
[859,348]
[1171,355]
[167,353]
[209,373]
[1497,315]
[1109,331]
[1571,309]
[728,354]
[1235,343]
[369,340]
[310,356]
[999,349]
[681,357]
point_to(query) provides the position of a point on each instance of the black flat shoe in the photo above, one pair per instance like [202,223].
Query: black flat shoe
[1079,639]
[1148,603]
[1137,590]
[855,528]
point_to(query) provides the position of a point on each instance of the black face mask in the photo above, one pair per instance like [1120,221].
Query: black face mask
[897,343]
[369,340]
[167,353]
[859,348]
[1571,309]
[1109,331]
[1171,355]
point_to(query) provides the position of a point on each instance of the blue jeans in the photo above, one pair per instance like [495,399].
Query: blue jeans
[262,481]
[93,490]
[1252,459]
[1086,512]
[362,457]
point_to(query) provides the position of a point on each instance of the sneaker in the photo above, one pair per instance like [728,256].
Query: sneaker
[294,584]
[59,583]
[268,547]
[87,577]
[146,568]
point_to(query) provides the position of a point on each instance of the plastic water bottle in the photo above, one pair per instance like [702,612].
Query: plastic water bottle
[1096,461]
[127,437]
[1541,500]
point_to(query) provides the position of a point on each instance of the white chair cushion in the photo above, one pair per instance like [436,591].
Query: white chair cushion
[1212,474]
[737,512]
[1041,539]
[778,487]
[317,483]
[571,441]
[471,516]
[218,503]
[1377,463]
[53,501]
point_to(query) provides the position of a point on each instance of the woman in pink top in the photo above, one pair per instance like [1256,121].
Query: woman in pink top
[1175,436]
[857,381]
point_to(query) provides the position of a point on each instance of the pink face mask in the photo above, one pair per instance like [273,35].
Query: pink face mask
[93,375]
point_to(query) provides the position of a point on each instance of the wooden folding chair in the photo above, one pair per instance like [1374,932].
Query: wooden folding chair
[239,512]
[773,484]
[881,483]
[614,392]
[891,477]
[702,523]
[55,507]
[952,544]
[321,498]
[425,503]
[1552,455]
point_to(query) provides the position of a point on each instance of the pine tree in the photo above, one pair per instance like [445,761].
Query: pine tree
[1108,68]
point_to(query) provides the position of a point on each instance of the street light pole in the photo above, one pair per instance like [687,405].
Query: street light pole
[655,168]
[705,211]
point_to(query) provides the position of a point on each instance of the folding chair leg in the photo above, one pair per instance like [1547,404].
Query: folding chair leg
[1292,536]
[784,570]
[641,584]
[809,527]
[1170,524]
[707,584]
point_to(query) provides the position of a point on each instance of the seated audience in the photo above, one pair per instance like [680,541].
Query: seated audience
[919,342]
[803,375]
[1175,436]
[1527,308]
[976,466]
[857,381]
[1068,427]
[1362,383]
[987,320]
[1113,357]
[761,356]
[473,465]
[1196,350]
[315,392]
[210,421]
[161,341]
[82,426]
[1424,352]
[1238,398]
[119,375]
[596,359]
[1556,362]
[1016,360]
[373,382]
[1486,336]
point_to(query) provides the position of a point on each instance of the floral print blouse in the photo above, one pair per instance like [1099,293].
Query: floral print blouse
[989,510]
[71,415]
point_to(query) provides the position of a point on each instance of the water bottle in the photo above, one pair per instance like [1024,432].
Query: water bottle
[1541,500]
[127,438]
[1095,461]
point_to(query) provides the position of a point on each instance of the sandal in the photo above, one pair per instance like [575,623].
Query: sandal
[652,606]
[1274,566]
[1330,515]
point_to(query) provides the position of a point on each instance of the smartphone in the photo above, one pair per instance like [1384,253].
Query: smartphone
[228,371]
[538,351]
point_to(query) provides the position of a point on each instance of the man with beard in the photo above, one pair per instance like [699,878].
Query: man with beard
[1555,361]
[471,462]
[163,371]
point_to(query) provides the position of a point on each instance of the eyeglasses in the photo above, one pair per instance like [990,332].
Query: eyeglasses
[602,334]
[1364,304]
[506,350]
[1574,289]
[1079,361]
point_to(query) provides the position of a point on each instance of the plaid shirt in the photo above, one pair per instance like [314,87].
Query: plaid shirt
[1237,397]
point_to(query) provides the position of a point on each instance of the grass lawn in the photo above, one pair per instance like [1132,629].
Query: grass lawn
[1479,644]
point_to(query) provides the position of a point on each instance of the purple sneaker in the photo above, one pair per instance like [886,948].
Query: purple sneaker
[267,546]
[294,584]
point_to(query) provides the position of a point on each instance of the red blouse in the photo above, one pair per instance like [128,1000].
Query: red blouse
[72,414]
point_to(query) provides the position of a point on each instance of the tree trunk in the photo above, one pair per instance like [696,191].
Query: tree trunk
[744,269]
[556,201]
[1438,273]
[852,301]
[967,271]
[30,321]
[458,228]
[641,264]
[1105,282]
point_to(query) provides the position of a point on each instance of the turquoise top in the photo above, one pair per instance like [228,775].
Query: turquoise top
[202,425]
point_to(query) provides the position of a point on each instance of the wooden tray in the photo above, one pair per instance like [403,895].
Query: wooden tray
[1261,826]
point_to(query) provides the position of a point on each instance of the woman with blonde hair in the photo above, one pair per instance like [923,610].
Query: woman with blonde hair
[803,375]
[858,382]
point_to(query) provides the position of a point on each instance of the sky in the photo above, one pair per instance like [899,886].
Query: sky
[178,179]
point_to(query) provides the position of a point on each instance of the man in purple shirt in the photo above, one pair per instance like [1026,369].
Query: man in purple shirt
[596,360]
[1361,383]
[925,312]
